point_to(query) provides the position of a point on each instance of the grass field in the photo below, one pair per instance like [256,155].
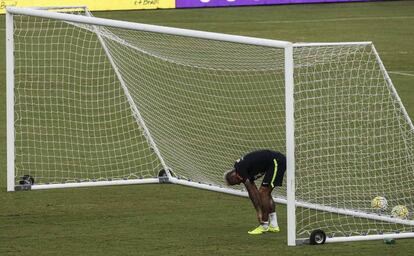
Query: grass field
[175,220]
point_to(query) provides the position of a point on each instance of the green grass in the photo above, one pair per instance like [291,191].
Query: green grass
[174,220]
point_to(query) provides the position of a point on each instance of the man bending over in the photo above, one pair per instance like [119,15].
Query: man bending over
[252,166]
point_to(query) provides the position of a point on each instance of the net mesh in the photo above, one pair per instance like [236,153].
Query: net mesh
[207,106]
[352,141]
[72,119]
[206,103]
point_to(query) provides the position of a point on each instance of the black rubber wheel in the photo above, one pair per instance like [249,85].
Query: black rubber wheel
[162,173]
[317,237]
[26,180]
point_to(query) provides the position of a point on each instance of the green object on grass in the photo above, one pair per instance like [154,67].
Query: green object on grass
[389,241]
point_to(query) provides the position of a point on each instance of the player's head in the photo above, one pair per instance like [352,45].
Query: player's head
[232,178]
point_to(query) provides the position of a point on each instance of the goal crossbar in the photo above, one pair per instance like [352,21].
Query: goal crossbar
[148,28]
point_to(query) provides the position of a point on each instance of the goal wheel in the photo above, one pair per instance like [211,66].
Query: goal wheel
[162,173]
[317,237]
[26,180]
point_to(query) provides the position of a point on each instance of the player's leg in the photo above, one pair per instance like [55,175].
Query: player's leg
[265,192]
[273,225]
[256,199]
[267,202]
[273,178]
[277,181]
[268,208]
[263,195]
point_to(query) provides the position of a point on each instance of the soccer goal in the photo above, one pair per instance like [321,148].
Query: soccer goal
[94,102]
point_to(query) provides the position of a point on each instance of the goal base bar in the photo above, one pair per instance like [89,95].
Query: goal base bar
[360,238]
[211,187]
[281,200]
[88,184]
[216,188]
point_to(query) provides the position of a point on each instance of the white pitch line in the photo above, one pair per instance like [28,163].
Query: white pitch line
[401,73]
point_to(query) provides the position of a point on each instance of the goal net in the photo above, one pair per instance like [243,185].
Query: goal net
[353,142]
[72,120]
[99,102]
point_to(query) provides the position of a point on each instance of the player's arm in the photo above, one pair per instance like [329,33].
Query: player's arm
[254,197]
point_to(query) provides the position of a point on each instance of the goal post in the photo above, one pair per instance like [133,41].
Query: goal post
[96,102]
[290,146]
[10,102]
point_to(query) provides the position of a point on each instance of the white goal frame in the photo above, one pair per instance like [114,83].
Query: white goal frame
[289,105]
